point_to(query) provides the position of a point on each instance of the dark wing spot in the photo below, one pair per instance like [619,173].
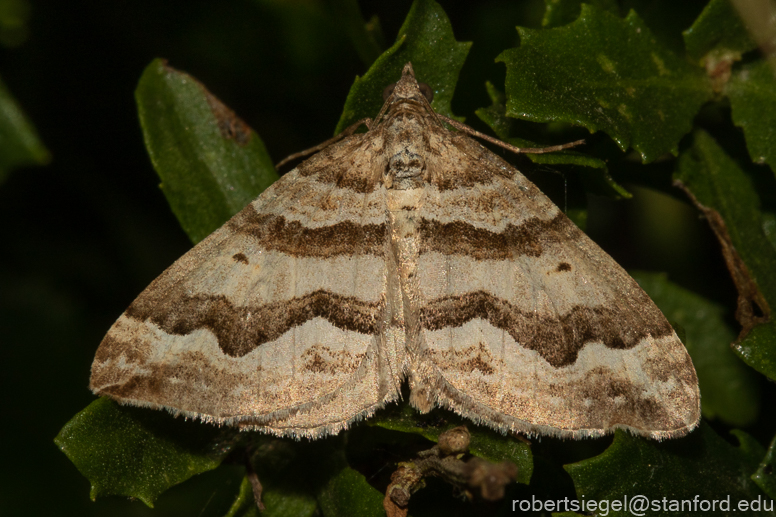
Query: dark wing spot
[468,360]
[321,359]
[240,257]
[563,266]
[316,364]
[477,363]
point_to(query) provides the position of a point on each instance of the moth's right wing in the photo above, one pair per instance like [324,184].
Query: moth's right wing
[527,325]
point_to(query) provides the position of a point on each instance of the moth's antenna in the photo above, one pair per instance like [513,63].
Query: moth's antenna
[519,150]
[323,145]
[384,108]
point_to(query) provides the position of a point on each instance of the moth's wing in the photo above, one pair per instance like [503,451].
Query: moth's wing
[276,321]
[527,325]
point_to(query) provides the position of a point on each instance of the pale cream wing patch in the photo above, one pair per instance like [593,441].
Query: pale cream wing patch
[527,325]
[280,315]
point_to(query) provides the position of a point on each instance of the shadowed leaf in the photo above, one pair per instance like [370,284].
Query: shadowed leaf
[426,40]
[607,74]
[561,12]
[19,143]
[366,37]
[138,452]
[752,93]
[765,477]
[699,466]
[728,198]
[344,491]
[594,172]
[718,32]
[279,464]
[211,164]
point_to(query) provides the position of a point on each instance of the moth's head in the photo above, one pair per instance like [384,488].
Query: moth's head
[408,89]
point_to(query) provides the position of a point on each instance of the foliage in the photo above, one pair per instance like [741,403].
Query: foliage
[704,113]
[18,138]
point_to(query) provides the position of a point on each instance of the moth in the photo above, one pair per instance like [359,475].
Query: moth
[405,253]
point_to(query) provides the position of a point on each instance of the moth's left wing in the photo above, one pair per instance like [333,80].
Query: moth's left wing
[276,321]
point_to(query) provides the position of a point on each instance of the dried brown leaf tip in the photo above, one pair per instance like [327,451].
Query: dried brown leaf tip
[752,308]
[446,461]
[230,125]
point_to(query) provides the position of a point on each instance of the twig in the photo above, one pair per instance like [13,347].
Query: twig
[444,461]
[255,483]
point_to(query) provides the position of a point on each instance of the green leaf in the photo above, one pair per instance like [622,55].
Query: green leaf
[244,504]
[769,227]
[496,448]
[277,503]
[719,184]
[138,452]
[365,37]
[485,442]
[278,463]
[765,477]
[426,40]
[344,491]
[667,473]
[718,32]
[729,389]
[609,74]
[758,349]
[211,164]
[495,115]
[561,12]
[594,172]
[14,20]
[19,143]
[752,94]
[750,448]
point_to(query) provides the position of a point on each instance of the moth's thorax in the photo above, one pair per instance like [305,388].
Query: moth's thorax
[406,146]
[402,110]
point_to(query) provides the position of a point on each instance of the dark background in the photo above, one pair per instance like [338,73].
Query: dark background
[82,236]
